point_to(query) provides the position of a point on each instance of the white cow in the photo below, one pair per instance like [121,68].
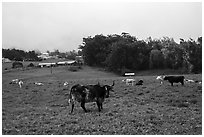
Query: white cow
[14,81]
[160,78]
[129,81]
[189,81]
[39,84]
[192,81]
[20,83]
[66,83]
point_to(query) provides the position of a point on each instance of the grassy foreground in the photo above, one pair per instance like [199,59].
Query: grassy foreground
[148,109]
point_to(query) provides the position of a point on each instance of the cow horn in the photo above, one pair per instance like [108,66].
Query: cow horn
[113,83]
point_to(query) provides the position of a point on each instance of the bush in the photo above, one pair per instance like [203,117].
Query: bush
[31,65]
[17,64]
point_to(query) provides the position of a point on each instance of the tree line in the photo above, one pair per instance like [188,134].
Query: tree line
[20,55]
[119,53]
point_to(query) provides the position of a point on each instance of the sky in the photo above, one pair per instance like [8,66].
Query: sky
[47,26]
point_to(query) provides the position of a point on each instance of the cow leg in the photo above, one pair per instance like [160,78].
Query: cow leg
[71,101]
[83,105]
[72,107]
[171,83]
[99,105]
[100,100]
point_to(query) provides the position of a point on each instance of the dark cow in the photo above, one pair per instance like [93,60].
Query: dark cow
[90,93]
[140,82]
[175,79]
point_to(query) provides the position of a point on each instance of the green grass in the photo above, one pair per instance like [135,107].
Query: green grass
[145,110]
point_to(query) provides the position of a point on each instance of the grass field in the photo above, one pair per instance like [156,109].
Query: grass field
[148,109]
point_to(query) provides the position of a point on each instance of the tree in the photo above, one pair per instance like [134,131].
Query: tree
[95,50]
[156,59]
[172,53]
[71,55]
[126,52]
[19,55]
[117,59]
[194,53]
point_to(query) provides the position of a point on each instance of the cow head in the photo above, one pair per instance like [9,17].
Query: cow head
[108,88]
[166,77]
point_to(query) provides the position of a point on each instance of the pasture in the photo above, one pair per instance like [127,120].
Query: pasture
[148,109]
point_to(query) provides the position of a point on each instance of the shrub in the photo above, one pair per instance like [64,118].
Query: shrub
[17,64]
[31,65]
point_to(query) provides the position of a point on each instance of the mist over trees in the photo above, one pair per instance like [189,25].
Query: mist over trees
[119,53]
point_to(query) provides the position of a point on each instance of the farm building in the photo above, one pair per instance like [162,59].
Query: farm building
[79,59]
[44,56]
[70,62]
[46,64]
[60,63]
[6,60]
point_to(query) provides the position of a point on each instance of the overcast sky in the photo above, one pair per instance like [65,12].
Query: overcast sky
[62,26]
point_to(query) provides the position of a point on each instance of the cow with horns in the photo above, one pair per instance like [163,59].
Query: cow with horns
[89,93]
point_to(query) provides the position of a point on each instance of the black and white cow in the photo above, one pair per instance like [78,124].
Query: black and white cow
[175,79]
[89,93]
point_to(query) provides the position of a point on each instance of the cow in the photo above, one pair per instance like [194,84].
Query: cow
[140,82]
[129,81]
[20,83]
[189,81]
[89,93]
[38,83]
[160,78]
[17,81]
[199,82]
[66,84]
[14,81]
[175,79]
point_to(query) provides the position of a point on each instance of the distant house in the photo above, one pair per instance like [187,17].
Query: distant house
[46,64]
[44,56]
[6,60]
[79,59]
[60,63]
[70,62]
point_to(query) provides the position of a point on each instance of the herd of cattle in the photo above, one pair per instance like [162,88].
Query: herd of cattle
[97,93]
